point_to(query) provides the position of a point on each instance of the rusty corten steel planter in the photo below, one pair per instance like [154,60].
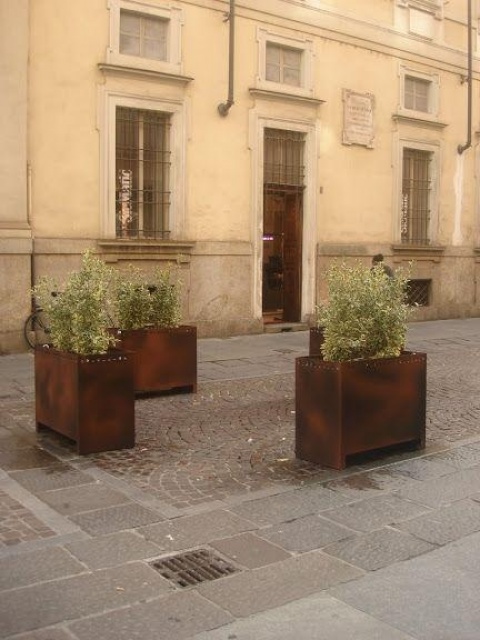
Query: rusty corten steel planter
[345,408]
[316,341]
[164,359]
[89,399]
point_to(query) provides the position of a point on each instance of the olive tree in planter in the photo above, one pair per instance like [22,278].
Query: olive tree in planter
[365,392]
[83,385]
[148,324]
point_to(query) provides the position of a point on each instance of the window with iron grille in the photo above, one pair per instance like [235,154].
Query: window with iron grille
[418,292]
[417,94]
[144,36]
[416,196]
[283,65]
[142,173]
[283,157]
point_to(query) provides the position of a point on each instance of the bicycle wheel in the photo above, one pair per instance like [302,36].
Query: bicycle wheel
[36,330]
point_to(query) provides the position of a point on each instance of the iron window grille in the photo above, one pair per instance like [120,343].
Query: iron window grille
[143,36]
[283,158]
[416,197]
[418,293]
[142,173]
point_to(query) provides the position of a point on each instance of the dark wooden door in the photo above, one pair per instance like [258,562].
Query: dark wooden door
[292,257]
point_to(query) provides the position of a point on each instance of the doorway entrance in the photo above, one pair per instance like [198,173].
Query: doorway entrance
[282,226]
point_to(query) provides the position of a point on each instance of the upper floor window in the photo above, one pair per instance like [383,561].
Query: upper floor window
[285,64]
[145,36]
[422,18]
[417,91]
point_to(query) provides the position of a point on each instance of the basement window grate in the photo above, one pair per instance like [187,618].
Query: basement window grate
[418,292]
[193,567]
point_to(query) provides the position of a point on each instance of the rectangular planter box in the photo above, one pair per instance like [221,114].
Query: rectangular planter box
[164,359]
[89,399]
[345,408]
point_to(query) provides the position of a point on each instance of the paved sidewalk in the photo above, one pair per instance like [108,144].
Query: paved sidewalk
[386,550]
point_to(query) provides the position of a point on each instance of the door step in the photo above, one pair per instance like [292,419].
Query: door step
[282,327]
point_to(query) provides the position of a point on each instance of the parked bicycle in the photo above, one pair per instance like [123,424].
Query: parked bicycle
[35,329]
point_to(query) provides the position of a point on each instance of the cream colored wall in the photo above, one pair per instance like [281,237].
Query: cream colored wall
[352,210]
[67,41]
[13,110]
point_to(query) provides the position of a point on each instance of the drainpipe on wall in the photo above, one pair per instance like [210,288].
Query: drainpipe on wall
[461,148]
[224,107]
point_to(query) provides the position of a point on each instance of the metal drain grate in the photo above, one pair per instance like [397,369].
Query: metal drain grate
[193,567]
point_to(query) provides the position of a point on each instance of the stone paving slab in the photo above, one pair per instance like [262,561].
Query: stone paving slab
[289,506]
[377,549]
[113,550]
[123,516]
[18,524]
[243,594]
[249,550]
[75,597]
[433,597]
[305,534]
[446,524]
[192,531]
[318,616]
[56,476]
[177,616]
[37,566]
[442,491]
[89,497]
[374,513]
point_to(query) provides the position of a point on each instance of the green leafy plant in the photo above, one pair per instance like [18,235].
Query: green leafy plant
[77,316]
[366,313]
[132,302]
[165,308]
[138,304]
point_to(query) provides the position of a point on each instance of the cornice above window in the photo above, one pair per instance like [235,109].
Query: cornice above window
[149,73]
[418,121]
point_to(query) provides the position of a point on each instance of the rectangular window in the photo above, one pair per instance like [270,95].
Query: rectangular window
[416,196]
[283,161]
[143,36]
[142,170]
[419,292]
[417,94]
[283,65]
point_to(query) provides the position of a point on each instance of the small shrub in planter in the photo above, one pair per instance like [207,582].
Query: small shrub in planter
[365,392]
[83,385]
[149,325]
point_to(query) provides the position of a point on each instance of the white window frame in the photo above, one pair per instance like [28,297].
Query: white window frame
[433,94]
[173,63]
[405,11]
[178,139]
[259,121]
[435,149]
[306,71]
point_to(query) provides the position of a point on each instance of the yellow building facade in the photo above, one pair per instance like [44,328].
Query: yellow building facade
[251,141]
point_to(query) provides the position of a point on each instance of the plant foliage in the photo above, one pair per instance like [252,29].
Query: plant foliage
[77,316]
[138,305]
[132,303]
[366,313]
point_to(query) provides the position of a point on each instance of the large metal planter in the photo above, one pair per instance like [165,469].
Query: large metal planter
[345,408]
[88,399]
[164,359]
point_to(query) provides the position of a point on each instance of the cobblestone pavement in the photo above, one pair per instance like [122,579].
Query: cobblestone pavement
[216,470]
[236,436]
